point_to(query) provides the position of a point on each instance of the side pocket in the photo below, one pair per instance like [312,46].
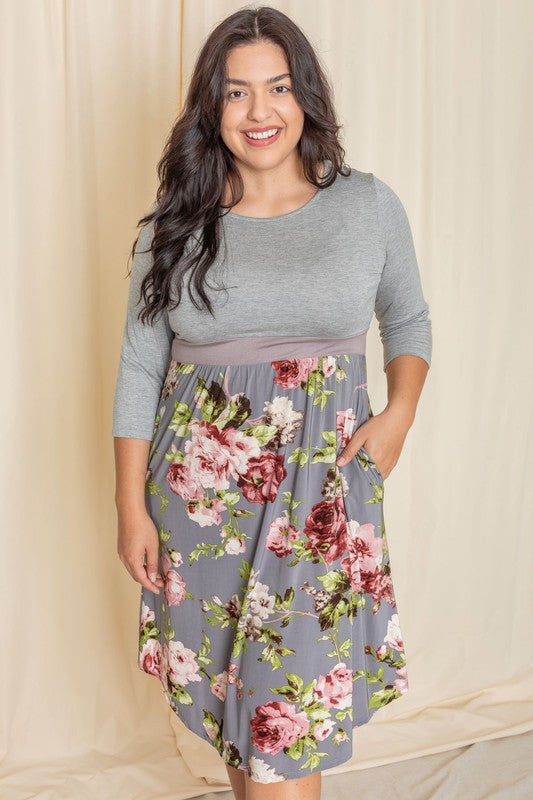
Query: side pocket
[367,462]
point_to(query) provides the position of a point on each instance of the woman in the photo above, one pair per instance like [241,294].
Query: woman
[250,468]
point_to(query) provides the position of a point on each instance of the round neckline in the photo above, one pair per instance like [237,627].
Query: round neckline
[289,214]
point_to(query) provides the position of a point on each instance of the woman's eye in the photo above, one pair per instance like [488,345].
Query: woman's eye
[239,91]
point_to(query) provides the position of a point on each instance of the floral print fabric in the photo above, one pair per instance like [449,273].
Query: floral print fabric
[277,632]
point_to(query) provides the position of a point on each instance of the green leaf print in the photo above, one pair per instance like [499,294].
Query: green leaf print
[185,369]
[286,600]
[287,692]
[271,655]
[330,437]
[299,454]
[155,490]
[335,581]
[204,650]
[308,693]
[174,455]
[317,713]
[263,433]
[341,715]
[322,397]
[332,612]
[383,696]
[240,643]
[228,498]
[295,681]
[212,399]
[211,723]
[168,632]
[236,412]
[314,760]
[181,695]
[180,419]
[245,569]
[301,552]
[296,750]
[164,535]
[325,455]
[378,493]
[149,632]
[212,549]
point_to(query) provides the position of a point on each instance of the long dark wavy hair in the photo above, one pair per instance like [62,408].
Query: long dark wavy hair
[196,165]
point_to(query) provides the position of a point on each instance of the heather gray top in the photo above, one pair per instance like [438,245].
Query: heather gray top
[321,270]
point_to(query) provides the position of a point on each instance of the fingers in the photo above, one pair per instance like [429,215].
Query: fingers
[349,451]
[152,559]
[138,571]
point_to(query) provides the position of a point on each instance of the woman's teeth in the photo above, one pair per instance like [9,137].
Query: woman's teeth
[264,135]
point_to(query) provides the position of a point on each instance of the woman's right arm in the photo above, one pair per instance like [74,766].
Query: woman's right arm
[137,533]
[143,365]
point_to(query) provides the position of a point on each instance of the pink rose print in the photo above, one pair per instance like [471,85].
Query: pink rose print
[181,664]
[181,482]
[329,364]
[175,557]
[394,635]
[365,553]
[174,585]
[280,536]
[174,588]
[322,730]
[234,545]
[277,725]
[150,657]
[346,421]
[210,729]
[219,685]
[261,481]
[335,688]
[291,373]
[339,737]
[205,512]
[401,682]
[379,585]
[163,666]
[147,615]
[326,524]
[213,455]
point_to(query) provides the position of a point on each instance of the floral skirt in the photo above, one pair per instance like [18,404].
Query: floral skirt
[277,631]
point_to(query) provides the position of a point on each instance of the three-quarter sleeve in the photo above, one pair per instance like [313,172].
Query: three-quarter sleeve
[400,307]
[144,356]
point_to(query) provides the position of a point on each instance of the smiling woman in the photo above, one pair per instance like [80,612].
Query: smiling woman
[267,608]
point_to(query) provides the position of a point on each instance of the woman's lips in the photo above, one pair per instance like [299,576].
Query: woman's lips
[263,142]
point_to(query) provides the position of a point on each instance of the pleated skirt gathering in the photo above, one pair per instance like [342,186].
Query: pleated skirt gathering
[277,632]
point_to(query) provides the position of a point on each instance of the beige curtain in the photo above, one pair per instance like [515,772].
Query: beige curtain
[434,99]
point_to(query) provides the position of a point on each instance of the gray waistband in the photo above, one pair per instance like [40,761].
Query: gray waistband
[253,349]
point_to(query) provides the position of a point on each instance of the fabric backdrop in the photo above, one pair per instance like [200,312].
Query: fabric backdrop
[433,97]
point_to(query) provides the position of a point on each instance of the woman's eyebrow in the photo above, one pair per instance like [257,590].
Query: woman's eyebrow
[275,79]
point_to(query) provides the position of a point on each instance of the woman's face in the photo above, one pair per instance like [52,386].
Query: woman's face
[251,101]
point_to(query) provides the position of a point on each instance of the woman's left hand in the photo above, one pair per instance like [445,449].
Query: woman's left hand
[382,436]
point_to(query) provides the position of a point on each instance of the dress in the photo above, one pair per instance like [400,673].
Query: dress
[277,632]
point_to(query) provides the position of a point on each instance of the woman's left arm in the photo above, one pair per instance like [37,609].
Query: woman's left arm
[406,333]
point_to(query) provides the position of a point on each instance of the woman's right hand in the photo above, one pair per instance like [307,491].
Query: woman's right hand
[137,536]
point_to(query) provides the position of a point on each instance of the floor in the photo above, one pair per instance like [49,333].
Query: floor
[498,769]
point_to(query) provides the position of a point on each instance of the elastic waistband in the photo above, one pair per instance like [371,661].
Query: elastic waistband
[253,349]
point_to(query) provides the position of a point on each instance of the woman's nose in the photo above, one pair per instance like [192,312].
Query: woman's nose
[259,107]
